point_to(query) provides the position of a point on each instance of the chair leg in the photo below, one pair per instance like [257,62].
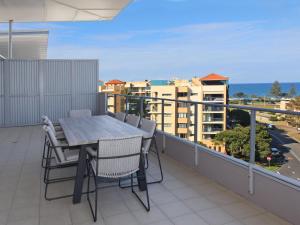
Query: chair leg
[94,213]
[146,161]
[159,163]
[147,207]
[44,152]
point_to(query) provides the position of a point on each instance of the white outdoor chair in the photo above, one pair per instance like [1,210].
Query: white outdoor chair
[120,116]
[57,131]
[77,113]
[133,120]
[149,143]
[63,158]
[149,126]
[114,159]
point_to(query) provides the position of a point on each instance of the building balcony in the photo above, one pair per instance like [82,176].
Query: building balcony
[202,191]
[182,130]
[183,120]
[213,120]
[183,110]
[212,99]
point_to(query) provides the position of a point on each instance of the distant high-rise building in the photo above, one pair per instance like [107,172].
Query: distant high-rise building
[179,117]
[114,87]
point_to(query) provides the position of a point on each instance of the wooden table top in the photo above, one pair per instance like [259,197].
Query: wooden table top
[88,130]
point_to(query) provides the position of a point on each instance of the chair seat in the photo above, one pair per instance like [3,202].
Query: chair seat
[91,151]
[60,135]
[71,155]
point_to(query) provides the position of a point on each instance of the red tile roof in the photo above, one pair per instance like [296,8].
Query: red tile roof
[113,82]
[213,76]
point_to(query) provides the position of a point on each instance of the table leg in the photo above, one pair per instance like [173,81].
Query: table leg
[81,168]
[141,174]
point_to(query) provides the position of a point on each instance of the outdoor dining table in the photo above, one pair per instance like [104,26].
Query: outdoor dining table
[86,131]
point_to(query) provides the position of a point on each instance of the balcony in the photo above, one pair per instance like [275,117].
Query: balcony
[183,110]
[213,99]
[200,185]
[182,120]
[213,109]
[202,193]
[207,119]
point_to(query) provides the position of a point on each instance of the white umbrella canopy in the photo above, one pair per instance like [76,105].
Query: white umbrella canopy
[59,10]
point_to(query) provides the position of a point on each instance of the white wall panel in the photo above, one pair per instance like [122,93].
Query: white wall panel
[32,88]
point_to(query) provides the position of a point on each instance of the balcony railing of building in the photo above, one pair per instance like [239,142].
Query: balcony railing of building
[177,147]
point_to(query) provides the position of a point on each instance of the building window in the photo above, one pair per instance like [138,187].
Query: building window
[182,94]
[182,125]
[182,115]
[166,94]
[194,94]
[168,104]
[168,114]
[182,135]
[167,125]
[182,104]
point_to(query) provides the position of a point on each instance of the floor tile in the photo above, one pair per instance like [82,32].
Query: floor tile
[174,209]
[126,218]
[190,219]
[198,204]
[153,216]
[215,216]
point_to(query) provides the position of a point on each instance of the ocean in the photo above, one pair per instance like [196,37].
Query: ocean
[260,89]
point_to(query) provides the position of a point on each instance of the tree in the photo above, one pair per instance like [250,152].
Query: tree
[240,95]
[239,116]
[275,89]
[237,142]
[293,91]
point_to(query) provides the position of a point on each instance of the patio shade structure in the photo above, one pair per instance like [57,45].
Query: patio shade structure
[57,11]
[27,44]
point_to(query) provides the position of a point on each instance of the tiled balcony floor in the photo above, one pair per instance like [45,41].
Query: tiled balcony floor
[184,197]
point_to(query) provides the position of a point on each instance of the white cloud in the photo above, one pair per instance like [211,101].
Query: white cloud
[246,51]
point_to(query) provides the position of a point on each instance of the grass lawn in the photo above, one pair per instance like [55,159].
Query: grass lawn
[272,168]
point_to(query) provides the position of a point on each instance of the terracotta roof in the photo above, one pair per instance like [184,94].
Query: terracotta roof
[113,82]
[213,76]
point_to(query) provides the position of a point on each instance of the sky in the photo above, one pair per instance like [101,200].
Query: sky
[250,41]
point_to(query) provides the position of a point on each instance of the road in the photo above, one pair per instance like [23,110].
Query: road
[291,151]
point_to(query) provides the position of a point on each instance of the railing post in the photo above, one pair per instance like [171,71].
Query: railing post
[163,115]
[196,132]
[163,124]
[252,150]
[115,103]
[141,107]
[126,104]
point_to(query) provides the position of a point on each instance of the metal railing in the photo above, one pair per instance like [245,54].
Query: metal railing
[194,104]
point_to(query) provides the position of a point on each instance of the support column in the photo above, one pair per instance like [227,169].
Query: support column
[10,39]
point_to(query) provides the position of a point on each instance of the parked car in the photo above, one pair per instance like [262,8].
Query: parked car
[275,152]
[270,126]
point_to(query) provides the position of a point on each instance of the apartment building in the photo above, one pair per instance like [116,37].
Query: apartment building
[114,87]
[140,88]
[179,117]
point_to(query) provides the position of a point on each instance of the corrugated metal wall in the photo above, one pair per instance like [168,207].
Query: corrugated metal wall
[31,88]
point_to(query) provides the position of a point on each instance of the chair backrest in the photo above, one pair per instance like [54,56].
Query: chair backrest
[120,116]
[44,118]
[118,157]
[80,113]
[133,120]
[149,126]
[58,152]
[49,123]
